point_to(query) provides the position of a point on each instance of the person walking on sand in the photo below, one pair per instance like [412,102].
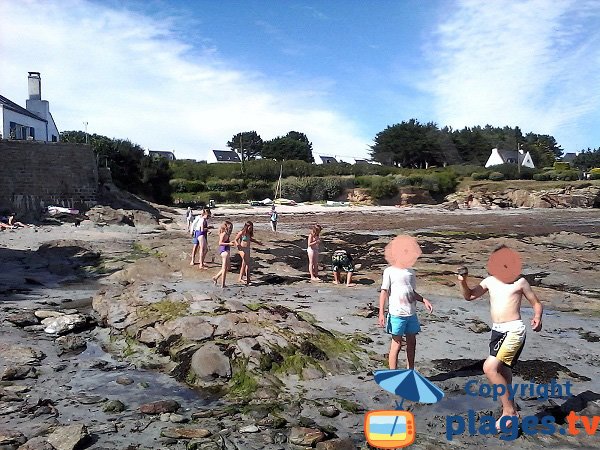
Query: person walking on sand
[508,331]
[189,218]
[202,237]
[312,249]
[225,251]
[342,260]
[198,233]
[243,240]
[398,289]
[273,218]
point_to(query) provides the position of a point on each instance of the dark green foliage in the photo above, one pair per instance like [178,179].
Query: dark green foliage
[587,159]
[496,176]
[285,148]
[130,168]
[251,144]
[383,187]
[560,166]
[480,175]
[181,185]
[315,188]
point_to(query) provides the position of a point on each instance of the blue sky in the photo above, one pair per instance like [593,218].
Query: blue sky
[188,75]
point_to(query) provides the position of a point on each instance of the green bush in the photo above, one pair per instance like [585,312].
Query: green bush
[595,173]
[464,170]
[544,176]
[496,176]
[547,169]
[314,188]
[181,185]
[415,179]
[225,185]
[510,171]
[401,180]
[383,187]
[561,166]
[480,175]
[564,175]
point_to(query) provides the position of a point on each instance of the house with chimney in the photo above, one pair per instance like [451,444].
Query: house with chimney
[34,122]
[519,157]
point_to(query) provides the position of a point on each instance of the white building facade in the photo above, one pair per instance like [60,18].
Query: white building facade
[35,122]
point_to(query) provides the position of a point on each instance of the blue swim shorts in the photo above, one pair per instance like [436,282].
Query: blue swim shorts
[402,325]
[196,237]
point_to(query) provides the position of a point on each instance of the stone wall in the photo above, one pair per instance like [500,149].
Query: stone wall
[35,175]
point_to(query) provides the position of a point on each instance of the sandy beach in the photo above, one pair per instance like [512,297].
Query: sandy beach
[111,355]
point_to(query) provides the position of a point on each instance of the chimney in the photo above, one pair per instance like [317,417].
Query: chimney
[35,86]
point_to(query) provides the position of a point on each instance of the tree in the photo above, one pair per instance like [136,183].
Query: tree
[251,144]
[130,168]
[543,149]
[408,144]
[286,148]
[587,159]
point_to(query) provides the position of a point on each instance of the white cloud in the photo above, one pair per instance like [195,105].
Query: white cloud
[130,76]
[535,64]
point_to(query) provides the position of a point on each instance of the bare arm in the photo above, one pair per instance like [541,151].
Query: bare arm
[468,293]
[418,297]
[383,296]
[312,240]
[538,308]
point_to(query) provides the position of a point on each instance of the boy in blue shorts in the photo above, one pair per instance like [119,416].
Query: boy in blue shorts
[398,289]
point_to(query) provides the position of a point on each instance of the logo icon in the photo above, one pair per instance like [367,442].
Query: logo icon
[396,428]
[389,429]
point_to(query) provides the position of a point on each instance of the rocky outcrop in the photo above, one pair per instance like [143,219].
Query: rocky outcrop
[244,349]
[568,197]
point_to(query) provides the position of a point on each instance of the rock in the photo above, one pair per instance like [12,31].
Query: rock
[70,343]
[19,372]
[23,319]
[159,407]
[329,411]
[46,314]
[11,438]
[272,421]
[18,355]
[36,443]
[479,327]
[249,429]
[177,418]
[64,324]
[185,433]
[124,380]
[307,437]
[85,399]
[103,428]
[337,444]
[113,406]
[68,437]
[209,362]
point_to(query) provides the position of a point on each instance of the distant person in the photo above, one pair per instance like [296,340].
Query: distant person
[225,251]
[342,260]
[243,240]
[273,218]
[398,288]
[9,221]
[508,331]
[189,218]
[314,240]
[468,201]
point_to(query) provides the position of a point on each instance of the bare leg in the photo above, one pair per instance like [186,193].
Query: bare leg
[248,268]
[411,345]
[227,264]
[336,277]
[242,266]
[223,270]
[395,348]
[497,373]
[312,266]
[349,279]
[194,251]
[202,251]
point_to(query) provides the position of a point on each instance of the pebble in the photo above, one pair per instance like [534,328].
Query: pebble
[249,429]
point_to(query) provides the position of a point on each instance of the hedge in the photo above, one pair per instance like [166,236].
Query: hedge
[561,166]
[315,188]
[496,176]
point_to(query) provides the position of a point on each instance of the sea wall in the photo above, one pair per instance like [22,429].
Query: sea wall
[35,175]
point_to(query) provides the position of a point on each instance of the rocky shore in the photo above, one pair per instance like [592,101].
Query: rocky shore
[110,340]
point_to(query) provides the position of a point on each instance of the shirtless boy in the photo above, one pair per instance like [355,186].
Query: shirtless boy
[508,331]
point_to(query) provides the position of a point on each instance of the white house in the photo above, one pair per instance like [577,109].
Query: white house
[34,122]
[498,157]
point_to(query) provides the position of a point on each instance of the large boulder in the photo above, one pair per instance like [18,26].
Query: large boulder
[209,362]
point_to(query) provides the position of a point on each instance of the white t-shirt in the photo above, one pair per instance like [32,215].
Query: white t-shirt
[401,285]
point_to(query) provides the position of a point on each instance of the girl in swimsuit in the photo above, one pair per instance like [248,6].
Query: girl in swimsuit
[203,237]
[224,250]
[243,240]
[313,252]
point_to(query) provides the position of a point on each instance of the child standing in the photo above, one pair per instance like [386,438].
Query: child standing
[398,288]
[273,218]
[314,240]
[243,240]
[225,251]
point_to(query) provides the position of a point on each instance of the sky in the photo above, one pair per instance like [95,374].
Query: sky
[186,76]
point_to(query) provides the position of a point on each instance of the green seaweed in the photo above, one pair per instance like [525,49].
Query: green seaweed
[242,384]
[164,310]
